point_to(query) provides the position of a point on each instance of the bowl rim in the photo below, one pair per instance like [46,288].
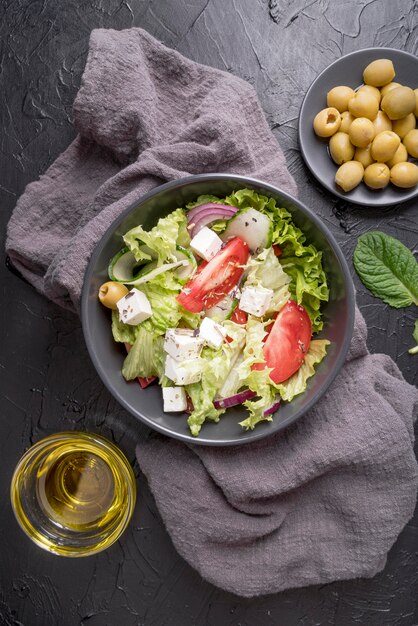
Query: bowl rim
[410,193]
[242,181]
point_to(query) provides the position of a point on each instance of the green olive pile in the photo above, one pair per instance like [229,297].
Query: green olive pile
[372,130]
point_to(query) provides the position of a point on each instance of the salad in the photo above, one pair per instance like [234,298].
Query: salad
[220,303]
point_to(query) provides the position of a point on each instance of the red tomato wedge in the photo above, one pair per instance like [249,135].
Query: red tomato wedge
[277,250]
[213,280]
[288,342]
[145,382]
[238,316]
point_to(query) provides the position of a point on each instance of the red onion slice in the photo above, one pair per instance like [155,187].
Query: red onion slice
[238,398]
[209,207]
[273,408]
[204,220]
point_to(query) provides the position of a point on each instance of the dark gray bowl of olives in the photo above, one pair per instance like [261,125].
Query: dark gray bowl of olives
[358,134]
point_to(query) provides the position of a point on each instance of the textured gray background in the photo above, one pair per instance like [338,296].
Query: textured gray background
[47,381]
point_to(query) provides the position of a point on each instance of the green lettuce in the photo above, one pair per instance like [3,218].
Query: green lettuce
[301,261]
[166,310]
[215,366]
[256,380]
[123,333]
[265,271]
[169,232]
[146,357]
[296,384]
[204,199]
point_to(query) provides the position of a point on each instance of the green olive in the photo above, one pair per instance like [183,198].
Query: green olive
[363,155]
[361,132]
[410,142]
[416,102]
[341,148]
[349,175]
[381,122]
[379,73]
[403,126]
[377,175]
[399,103]
[374,91]
[400,155]
[346,121]
[110,293]
[388,88]
[363,104]
[327,122]
[404,174]
[384,146]
[339,96]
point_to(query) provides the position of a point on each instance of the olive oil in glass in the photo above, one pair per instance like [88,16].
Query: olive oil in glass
[73,493]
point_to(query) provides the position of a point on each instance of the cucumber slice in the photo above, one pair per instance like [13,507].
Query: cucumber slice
[123,267]
[251,226]
[185,272]
[151,270]
[224,309]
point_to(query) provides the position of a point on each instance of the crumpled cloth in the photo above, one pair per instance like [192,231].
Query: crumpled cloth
[321,501]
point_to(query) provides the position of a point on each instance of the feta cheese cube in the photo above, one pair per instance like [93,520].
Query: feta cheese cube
[134,308]
[255,300]
[212,333]
[182,343]
[206,243]
[174,399]
[184,373]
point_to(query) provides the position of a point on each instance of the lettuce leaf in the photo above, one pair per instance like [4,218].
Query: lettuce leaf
[146,357]
[204,199]
[256,380]
[162,239]
[301,261]
[166,311]
[219,226]
[123,333]
[265,271]
[296,384]
[215,366]
[309,283]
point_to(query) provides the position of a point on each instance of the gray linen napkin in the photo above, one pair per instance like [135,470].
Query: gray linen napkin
[324,500]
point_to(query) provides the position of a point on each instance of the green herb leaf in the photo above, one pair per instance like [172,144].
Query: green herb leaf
[415,333]
[387,268]
[415,336]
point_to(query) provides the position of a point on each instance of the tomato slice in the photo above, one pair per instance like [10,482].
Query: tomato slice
[288,342]
[213,280]
[145,382]
[238,316]
[277,249]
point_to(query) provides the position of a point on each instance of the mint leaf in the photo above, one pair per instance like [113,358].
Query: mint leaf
[415,336]
[387,268]
[415,333]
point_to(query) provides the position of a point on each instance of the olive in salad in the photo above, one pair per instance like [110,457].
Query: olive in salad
[221,304]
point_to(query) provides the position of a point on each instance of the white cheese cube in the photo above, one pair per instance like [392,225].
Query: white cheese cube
[184,373]
[182,344]
[206,243]
[212,333]
[134,308]
[255,300]
[174,399]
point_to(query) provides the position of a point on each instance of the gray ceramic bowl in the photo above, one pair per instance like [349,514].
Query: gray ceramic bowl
[348,70]
[108,356]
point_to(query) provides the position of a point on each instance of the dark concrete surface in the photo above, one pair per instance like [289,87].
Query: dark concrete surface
[47,381]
